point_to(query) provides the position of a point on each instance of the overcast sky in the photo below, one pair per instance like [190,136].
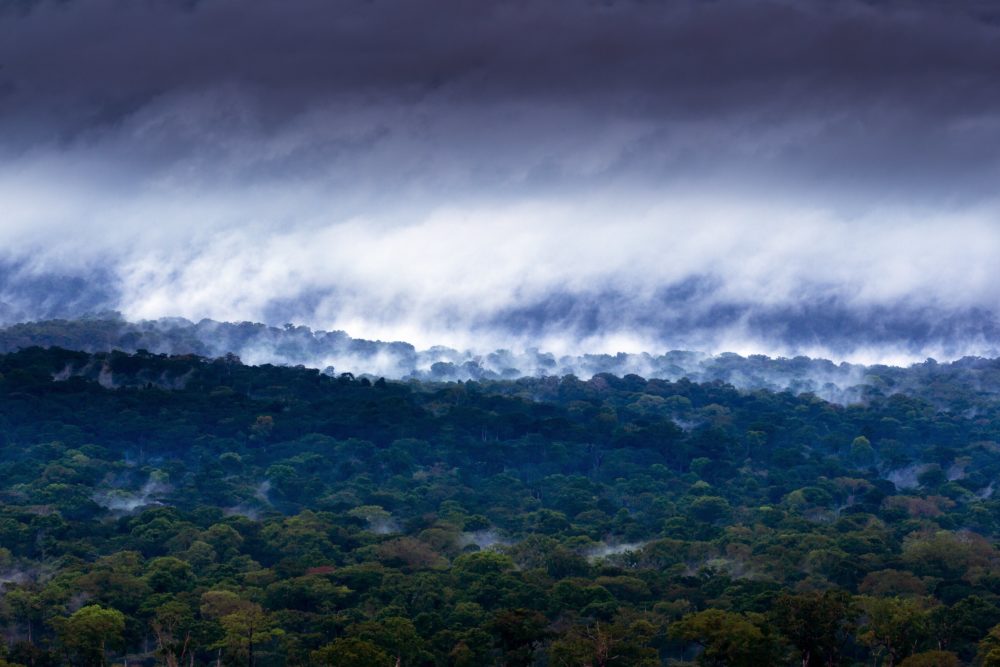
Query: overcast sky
[802,176]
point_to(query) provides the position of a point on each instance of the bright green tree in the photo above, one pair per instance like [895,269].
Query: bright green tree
[89,631]
[728,639]
[351,652]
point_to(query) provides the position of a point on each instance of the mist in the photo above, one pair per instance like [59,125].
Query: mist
[168,353]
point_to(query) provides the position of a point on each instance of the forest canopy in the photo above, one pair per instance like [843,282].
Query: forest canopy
[185,510]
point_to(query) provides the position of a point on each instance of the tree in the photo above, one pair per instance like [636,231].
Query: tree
[26,606]
[932,659]
[709,509]
[309,594]
[245,624]
[817,625]
[409,553]
[606,645]
[168,574]
[351,652]
[246,629]
[89,631]
[989,649]
[961,624]
[728,639]
[394,634]
[172,625]
[892,628]
[862,453]
[518,632]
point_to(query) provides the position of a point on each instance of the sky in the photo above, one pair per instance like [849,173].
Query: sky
[787,177]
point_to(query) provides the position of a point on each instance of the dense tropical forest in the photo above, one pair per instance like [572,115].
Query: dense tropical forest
[183,510]
[336,352]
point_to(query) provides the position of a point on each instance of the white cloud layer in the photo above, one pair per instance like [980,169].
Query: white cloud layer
[443,274]
[616,182]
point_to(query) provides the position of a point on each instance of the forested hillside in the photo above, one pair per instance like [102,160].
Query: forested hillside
[949,385]
[192,511]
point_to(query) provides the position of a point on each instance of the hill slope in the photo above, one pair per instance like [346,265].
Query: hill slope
[520,522]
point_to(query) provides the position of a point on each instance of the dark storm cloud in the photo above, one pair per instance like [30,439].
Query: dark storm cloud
[833,96]
[800,176]
[843,90]
[714,53]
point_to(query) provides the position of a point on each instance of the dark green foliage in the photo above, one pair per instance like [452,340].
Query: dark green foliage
[170,509]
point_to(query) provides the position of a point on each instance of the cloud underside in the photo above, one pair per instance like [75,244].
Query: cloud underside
[779,177]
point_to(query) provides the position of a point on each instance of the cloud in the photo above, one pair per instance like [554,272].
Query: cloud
[683,274]
[829,95]
[773,176]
